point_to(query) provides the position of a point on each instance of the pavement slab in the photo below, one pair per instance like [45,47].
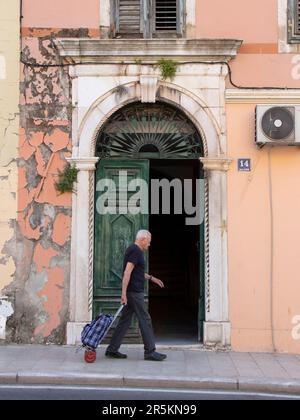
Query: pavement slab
[185,368]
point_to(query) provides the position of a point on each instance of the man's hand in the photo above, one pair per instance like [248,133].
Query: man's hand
[158,282]
[124,300]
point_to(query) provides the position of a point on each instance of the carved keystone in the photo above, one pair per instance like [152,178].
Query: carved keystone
[148,89]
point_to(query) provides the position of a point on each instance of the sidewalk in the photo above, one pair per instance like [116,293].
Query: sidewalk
[185,368]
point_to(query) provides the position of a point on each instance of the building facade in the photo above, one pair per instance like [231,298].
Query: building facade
[151,90]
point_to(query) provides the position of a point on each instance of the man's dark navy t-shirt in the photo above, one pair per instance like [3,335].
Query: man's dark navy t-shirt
[135,256]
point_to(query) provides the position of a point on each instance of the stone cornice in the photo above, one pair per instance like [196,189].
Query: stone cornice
[84,164]
[216,164]
[263,96]
[94,51]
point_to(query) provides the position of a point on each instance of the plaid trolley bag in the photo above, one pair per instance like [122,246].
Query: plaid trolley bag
[93,333]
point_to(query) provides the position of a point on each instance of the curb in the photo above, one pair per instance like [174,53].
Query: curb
[186,383]
[220,384]
[58,378]
[270,386]
[8,378]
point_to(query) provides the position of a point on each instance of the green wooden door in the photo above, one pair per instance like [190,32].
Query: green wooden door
[116,230]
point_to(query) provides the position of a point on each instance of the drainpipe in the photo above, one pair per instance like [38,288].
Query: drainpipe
[6,310]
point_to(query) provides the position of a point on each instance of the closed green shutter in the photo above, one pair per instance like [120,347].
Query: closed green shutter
[126,18]
[181,17]
[129,17]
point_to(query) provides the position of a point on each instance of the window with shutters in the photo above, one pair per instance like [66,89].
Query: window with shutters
[165,15]
[147,18]
[294,21]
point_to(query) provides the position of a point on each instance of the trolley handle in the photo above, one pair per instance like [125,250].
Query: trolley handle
[118,313]
[112,322]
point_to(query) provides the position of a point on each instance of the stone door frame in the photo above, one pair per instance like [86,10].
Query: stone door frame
[217,329]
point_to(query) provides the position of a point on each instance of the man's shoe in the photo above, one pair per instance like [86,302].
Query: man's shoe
[155,357]
[115,355]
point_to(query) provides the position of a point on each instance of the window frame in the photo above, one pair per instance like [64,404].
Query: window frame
[180,22]
[293,10]
[148,21]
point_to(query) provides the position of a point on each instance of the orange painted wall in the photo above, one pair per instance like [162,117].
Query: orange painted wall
[249,233]
[266,70]
[61,14]
[253,21]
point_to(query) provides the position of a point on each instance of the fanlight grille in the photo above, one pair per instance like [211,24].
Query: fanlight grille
[156,131]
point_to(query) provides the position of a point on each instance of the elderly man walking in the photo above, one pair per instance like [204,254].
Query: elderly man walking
[133,287]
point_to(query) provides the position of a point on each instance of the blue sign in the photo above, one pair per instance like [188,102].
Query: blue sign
[244,165]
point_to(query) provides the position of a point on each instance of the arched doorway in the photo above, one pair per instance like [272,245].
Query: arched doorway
[141,144]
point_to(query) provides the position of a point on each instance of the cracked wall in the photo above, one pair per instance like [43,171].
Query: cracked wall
[9,128]
[40,247]
[41,286]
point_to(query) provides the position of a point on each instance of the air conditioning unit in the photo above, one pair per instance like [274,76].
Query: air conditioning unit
[278,125]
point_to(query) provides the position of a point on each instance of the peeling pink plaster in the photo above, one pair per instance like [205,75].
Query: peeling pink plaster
[37,90]
[36,139]
[25,227]
[24,199]
[25,149]
[22,178]
[41,164]
[42,257]
[61,229]
[25,196]
[52,297]
[33,45]
[57,140]
[62,123]
[48,193]
[22,137]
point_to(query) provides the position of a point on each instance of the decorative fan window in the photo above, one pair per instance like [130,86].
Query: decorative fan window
[155,131]
[294,21]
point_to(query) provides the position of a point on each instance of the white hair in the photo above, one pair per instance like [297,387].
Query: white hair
[143,234]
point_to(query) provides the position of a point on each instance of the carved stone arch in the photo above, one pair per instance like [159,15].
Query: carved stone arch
[193,107]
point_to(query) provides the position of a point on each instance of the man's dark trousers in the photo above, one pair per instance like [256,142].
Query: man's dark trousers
[135,305]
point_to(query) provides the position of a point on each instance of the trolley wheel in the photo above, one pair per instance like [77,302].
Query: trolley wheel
[90,356]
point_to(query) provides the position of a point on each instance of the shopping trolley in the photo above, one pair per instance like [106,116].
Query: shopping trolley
[94,333]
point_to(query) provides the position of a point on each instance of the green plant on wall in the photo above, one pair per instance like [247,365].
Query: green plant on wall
[168,68]
[66,179]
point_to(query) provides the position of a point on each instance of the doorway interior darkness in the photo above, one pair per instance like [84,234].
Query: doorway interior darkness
[175,258]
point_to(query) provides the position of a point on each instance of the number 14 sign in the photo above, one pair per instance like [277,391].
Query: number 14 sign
[244,165]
